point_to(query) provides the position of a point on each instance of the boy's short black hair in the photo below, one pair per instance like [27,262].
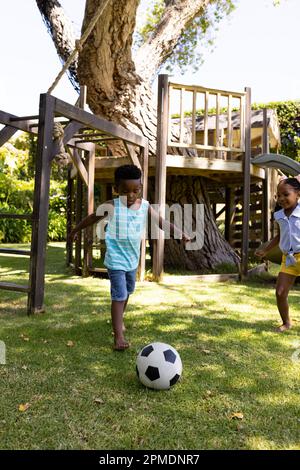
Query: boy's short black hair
[127,172]
[292,182]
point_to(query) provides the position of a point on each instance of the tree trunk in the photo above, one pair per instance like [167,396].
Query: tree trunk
[215,250]
[119,90]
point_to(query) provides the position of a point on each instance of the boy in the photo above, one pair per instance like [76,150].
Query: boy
[126,222]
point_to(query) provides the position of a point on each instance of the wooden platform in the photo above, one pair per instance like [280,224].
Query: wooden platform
[225,171]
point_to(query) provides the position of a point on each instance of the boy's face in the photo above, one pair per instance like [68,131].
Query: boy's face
[132,189]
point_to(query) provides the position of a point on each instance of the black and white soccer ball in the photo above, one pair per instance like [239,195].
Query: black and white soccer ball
[158,366]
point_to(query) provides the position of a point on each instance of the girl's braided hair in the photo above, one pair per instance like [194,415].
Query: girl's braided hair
[291,182]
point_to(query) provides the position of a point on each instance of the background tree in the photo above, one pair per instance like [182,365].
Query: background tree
[118,75]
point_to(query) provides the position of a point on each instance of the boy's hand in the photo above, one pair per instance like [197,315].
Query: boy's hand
[185,238]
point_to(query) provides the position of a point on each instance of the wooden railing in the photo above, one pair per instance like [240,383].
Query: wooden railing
[207,131]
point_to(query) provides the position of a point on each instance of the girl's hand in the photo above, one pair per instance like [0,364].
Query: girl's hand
[73,236]
[260,253]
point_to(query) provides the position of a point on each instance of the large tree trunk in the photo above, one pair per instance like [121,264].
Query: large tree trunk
[215,250]
[119,90]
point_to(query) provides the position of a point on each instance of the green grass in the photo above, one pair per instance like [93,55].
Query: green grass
[233,362]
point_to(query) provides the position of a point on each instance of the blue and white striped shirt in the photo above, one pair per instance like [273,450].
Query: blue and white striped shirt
[123,236]
[289,230]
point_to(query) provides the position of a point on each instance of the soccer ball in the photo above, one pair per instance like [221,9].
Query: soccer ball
[158,365]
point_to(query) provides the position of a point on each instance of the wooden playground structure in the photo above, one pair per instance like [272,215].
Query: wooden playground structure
[222,152]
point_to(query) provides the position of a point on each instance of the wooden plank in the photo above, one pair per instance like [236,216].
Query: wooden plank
[13,251]
[242,123]
[79,165]
[145,162]
[16,216]
[181,116]
[69,245]
[206,119]
[207,147]
[14,287]
[78,218]
[229,122]
[88,233]
[6,118]
[41,204]
[199,89]
[95,122]
[6,133]
[132,155]
[161,171]
[194,117]
[266,220]
[246,185]
[218,140]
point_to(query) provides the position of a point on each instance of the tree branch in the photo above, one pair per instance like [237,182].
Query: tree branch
[61,31]
[178,14]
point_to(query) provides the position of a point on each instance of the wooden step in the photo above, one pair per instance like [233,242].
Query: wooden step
[14,287]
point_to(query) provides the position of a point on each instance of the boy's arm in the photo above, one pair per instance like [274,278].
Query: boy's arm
[161,222]
[87,221]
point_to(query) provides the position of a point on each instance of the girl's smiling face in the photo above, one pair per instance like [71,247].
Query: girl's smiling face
[131,189]
[287,196]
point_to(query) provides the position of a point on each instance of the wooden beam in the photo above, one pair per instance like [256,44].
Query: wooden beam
[95,122]
[266,218]
[161,171]
[14,287]
[132,155]
[246,188]
[145,159]
[41,204]
[6,133]
[6,118]
[79,165]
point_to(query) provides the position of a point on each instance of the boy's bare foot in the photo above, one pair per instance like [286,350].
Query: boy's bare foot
[121,344]
[283,327]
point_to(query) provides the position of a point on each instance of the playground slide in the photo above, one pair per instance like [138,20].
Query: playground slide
[275,160]
[288,166]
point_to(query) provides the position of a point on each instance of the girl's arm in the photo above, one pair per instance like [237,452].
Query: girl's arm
[87,221]
[272,243]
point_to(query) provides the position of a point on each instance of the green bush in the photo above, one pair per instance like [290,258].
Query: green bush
[14,230]
[16,196]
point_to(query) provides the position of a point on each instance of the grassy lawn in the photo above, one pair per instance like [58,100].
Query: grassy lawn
[239,390]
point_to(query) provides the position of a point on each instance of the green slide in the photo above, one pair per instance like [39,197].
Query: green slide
[289,167]
[275,160]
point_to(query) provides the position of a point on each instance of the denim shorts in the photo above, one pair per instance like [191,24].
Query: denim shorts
[122,284]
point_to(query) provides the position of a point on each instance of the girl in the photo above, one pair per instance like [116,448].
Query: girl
[288,219]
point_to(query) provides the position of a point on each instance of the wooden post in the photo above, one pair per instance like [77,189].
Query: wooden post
[78,217]
[70,187]
[88,234]
[266,216]
[41,204]
[229,213]
[161,171]
[144,162]
[246,188]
